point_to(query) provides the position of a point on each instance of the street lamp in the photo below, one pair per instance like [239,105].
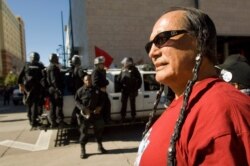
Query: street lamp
[71,31]
[63,46]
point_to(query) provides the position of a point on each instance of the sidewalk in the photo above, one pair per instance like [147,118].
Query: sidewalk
[120,154]
[121,143]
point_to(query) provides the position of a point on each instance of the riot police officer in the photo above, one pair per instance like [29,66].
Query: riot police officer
[89,101]
[100,82]
[55,81]
[29,82]
[236,71]
[77,74]
[130,81]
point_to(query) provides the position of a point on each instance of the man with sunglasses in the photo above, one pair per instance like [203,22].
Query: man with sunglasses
[208,123]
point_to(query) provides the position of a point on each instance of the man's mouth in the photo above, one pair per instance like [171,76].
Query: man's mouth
[160,66]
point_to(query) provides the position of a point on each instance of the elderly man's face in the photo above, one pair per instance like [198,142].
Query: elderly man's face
[174,60]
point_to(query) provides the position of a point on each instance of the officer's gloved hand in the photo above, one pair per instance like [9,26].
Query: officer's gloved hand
[51,90]
[85,113]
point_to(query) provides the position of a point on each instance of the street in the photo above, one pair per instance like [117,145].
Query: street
[21,146]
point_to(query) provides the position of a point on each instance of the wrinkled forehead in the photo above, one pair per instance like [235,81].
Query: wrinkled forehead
[170,21]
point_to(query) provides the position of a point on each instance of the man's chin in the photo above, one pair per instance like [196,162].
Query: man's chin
[160,78]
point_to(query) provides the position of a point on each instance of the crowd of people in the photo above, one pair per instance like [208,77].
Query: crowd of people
[92,104]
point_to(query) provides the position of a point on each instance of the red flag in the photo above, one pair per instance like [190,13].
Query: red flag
[108,58]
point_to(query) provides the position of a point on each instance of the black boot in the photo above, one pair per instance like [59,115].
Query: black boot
[101,148]
[83,152]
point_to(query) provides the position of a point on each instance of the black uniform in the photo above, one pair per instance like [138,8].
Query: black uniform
[99,81]
[31,76]
[55,81]
[6,95]
[87,100]
[77,74]
[130,81]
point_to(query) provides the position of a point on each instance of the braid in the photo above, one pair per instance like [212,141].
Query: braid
[172,147]
[152,114]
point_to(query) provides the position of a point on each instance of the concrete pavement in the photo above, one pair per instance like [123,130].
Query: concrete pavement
[20,146]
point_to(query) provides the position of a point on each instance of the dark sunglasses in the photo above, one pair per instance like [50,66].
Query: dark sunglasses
[162,38]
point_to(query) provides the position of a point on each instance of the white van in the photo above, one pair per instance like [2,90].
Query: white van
[144,101]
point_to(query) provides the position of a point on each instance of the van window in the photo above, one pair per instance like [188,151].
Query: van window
[150,84]
[117,85]
[68,86]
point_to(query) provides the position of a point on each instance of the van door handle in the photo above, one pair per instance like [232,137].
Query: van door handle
[146,96]
[115,98]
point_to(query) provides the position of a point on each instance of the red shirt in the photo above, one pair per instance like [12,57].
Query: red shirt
[216,130]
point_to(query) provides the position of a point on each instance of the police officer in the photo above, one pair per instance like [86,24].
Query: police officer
[236,71]
[77,74]
[100,82]
[55,81]
[130,81]
[29,82]
[89,101]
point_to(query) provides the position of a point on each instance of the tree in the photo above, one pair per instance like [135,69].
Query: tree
[10,79]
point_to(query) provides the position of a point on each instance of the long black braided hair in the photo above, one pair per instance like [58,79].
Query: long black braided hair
[203,29]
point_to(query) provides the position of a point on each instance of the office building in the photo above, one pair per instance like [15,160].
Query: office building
[121,28]
[12,41]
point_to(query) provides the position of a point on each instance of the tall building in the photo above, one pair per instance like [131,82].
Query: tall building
[121,28]
[12,41]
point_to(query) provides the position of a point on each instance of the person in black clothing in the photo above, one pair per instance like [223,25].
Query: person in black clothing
[89,102]
[236,71]
[130,81]
[29,81]
[77,74]
[55,81]
[100,82]
[6,95]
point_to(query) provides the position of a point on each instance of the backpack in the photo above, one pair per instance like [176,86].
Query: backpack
[33,75]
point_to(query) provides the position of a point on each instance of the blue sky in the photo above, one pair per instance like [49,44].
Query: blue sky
[43,26]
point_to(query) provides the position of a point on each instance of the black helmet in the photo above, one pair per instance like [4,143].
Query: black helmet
[34,57]
[53,58]
[76,60]
[236,69]
[127,61]
[99,60]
